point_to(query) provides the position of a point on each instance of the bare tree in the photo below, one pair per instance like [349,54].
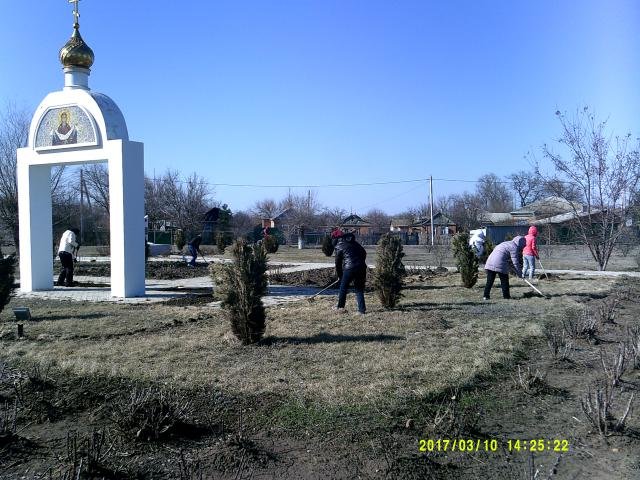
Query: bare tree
[605,169]
[304,210]
[465,210]
[267,208]
[96,178]
[64,201]
[442,204]
[152,199]
[423,210]
[527,185]
[494,193]
[332,217]
[378,219]
[243,223]
[14,132]
[183,202]
[563,189]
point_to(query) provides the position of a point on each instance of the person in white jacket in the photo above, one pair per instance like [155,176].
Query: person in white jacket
[67,250]
[476,241]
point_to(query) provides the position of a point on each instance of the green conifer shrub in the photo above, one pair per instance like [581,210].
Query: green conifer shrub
[466,259]
[270,243]
[221,242]
[180,241]
[7,267]
[389,272]
[327,245]
[241,285]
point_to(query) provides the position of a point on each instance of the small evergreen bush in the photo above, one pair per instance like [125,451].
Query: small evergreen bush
[270,243]
[180,241]
[221,242]
[389,272]
[466,259]
[7,267]
[241,285]
[327,245]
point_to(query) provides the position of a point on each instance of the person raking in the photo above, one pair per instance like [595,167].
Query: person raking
[498,264]
[194,249]
[67,251]
[350,267]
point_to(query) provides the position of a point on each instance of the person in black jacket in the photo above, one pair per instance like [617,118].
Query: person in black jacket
[194,249]
[350,267]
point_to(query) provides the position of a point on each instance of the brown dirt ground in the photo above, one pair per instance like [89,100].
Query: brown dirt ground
[273,435]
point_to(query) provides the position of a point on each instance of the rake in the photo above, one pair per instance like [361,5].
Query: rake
[544,272]
[313,297]
[205,260]
[537,291]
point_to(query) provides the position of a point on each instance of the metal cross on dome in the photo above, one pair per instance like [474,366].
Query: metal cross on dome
[76,14]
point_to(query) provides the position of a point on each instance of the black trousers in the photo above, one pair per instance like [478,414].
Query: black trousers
[504,283]
[66,275]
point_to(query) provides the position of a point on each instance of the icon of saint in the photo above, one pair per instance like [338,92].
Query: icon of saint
[66,133]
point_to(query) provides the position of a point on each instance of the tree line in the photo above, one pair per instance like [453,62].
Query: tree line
[590,166]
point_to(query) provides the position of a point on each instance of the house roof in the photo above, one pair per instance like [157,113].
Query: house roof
[438,219]
[281,216]
[213,215]
[549,206]
[401,222]
[354,220]
[563,217]
[496,217]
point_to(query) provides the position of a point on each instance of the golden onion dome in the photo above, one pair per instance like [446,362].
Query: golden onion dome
[75,52]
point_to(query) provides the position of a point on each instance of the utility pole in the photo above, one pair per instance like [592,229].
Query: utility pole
[431,206]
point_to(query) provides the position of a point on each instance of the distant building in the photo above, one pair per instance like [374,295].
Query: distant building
[553,212]
[543,208]
[442,225]
[419,231]
[401,224]
[356,224]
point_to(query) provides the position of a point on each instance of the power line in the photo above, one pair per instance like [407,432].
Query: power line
[331,185]
[343,185]
[326,185]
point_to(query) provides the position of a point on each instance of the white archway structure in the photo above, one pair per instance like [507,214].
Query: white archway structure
[75,126]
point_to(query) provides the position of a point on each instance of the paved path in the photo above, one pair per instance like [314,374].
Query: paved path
[160,290]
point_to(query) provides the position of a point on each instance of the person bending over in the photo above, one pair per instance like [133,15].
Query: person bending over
[67,250]
[498,264]
[350,267]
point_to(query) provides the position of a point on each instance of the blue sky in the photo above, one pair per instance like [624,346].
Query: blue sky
[315,92]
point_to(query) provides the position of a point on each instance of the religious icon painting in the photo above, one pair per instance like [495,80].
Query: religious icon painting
[65,126]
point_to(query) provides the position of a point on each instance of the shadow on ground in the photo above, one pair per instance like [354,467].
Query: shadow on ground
[329,338]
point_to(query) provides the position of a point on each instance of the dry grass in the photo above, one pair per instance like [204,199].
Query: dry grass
[442,336]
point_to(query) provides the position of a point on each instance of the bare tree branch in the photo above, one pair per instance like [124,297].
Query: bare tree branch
[606,170]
